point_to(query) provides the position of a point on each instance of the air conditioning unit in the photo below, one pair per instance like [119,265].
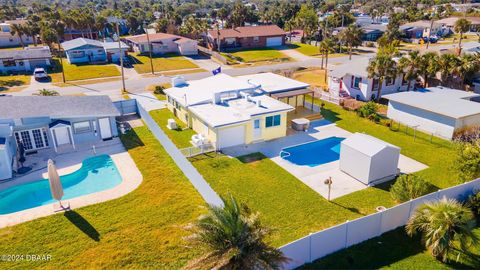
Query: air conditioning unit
[171,124]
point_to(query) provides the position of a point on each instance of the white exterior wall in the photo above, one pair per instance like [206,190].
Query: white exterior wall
[115,55]
[7,40]
[26,67]
[354,163]
[188,48]
[384,164]
[429,122]
[468,121]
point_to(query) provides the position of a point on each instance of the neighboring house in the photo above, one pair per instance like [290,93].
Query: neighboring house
[26,60]
[419,29]
[58,122]
[372,32]
[449,23]
[84,50]
[436,110]
[71,34]
[9,40]
[246,37]
[352,78]
[162,43]
[232,111]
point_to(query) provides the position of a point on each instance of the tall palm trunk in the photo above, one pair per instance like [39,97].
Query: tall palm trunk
[408,86]
[350,48]
[323,55]
[326,65]
[379,94]
[460,44]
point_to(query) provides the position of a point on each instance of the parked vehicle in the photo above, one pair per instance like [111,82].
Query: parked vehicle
[40,74]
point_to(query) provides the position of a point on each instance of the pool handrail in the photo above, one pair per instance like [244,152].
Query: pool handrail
[287,154]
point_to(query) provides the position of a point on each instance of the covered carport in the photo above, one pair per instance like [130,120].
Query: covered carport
[287,95]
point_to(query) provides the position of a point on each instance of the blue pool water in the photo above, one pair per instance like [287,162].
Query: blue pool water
[96,174]
[313,153]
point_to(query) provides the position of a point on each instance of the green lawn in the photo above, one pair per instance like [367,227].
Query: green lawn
[313,76]
[82,72]
[142,229]
[8,82]
[392,250]
[255,55]
[306,49]
[141,63]
[180,137]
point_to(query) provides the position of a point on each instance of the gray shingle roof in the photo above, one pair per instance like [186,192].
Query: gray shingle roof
[30,53]
[79,42]
[15,107]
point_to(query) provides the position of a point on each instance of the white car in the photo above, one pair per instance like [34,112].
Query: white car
[40,73]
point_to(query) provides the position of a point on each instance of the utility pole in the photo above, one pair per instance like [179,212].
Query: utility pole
[61,59]
[431,28]
[149,47]
[124,90]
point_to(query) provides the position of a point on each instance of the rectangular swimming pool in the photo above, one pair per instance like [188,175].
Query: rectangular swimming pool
[313,153]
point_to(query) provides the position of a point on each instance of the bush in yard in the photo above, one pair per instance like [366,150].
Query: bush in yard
[369,110]
[473,202]
[467,134]
[409,186]
[468,160]
[46,92]
[159,90]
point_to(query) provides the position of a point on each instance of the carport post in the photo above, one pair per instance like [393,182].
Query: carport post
[313,96]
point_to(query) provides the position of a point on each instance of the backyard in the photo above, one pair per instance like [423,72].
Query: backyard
[142,229]
[141,63]
[255,56]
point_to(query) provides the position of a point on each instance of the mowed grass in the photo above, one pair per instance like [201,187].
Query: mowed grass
[314,76]
[141,63]
[180,137]
[256,55]
[306,49]
[143,229]
[392,250]
[82,71]
[9,82]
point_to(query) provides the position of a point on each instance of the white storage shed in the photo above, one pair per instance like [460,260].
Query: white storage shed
[368,159]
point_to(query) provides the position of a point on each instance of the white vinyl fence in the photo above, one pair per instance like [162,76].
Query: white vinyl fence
[322,243]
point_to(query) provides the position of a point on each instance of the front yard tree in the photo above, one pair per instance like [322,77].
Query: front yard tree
[233,237]
[410,66]
[307,20]
[461,26]
[381,67]
[352,36]
[428,66]
[446,227]
[326,47]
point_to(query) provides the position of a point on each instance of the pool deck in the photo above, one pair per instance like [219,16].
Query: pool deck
[314,177]
[69,162]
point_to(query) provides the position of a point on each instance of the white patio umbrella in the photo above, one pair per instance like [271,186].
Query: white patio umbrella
[54,180]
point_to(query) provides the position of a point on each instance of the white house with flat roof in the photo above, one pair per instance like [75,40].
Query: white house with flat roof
[368,159]
[231,111]
[435,110]
[352,78]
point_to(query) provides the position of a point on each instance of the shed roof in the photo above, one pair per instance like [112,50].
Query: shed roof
[30,53]
[156,38]
[272,83]
[357,67]
[114,45]
[248,31]
[440,100]
[16,107]
[79,42]
[367,144]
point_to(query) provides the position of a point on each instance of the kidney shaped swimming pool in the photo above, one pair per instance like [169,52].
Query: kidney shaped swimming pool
[96,174]
[313,153]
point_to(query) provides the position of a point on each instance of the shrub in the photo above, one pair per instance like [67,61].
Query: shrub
[369,110]
[409,186]
[467,134]
[159,90]
[468,160]
[370,44]
[473,202]
[46,92]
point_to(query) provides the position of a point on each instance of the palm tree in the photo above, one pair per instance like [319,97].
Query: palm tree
[46,92]
[428,66]
[233,238]
[446,227]
[352,36]
[461,26]
[381,67]
[18,30]
[447,63]
[100,22]
[325,47]
[467,66]
[410,66]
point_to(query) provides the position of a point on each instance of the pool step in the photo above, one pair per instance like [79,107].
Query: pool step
[314,117]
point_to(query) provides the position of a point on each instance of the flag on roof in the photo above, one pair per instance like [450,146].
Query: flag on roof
[217,71]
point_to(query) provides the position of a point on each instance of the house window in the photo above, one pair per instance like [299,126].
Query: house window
[375,85]
[256,39]
[77,54]
[389,81]
[356,82]
[272,121]
[81,127]
[9,63]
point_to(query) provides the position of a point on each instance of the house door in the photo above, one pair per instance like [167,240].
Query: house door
[105,128]
[32,139]
[62,135]
[257,130]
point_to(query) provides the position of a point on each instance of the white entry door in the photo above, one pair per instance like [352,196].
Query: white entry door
[62,135]
[257,130]
[274,41]
[105,129]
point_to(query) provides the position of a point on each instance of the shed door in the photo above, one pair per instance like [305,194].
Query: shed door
[231,136]
[62,135]
[274,41]
[105,129]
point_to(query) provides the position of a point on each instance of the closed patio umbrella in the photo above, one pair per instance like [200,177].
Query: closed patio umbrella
[54,180]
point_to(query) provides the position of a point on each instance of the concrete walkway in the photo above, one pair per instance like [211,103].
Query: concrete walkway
[298,56]
[197,180]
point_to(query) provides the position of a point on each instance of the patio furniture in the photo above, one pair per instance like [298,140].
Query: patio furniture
[300,124]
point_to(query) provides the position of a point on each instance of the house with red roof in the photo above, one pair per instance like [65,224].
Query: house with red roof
[162,43]
[246,37]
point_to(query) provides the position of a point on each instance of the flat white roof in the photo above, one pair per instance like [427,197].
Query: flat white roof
[272,83]
[203,90]
[440,100]
[367,144]
[237,110]
[357,67]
